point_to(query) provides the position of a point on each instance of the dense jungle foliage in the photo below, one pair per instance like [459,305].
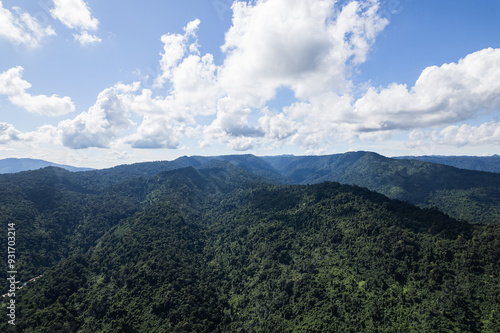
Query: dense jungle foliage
[219,246]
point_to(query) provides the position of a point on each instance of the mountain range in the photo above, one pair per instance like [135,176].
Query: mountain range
[477,163]
[13,165]
[463,194]
[255,244]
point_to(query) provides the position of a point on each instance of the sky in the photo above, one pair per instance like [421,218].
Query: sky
[102,83]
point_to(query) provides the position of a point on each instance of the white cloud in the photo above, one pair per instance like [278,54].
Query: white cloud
[11,82]
[102,124]
[105,123]
[310,47]
[327,117]
[242,143]
[74,14]
[12,85]
[305,45]
[22,28]
[459,136]
[442,95]
[156,132]
[277,126]
[8,133]
[84,38]
[175,47]
[231,123]
[42,104]
[192,77]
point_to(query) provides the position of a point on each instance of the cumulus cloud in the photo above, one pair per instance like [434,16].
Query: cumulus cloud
[22,28]
[277,126]
[305,45]
[442,95]
[101,124]
[105,123]
[11,82]
[12,85]
[84,38]
[312,48]
[8,133]
[75,14]
[459,136]
[42,104]
[156,132]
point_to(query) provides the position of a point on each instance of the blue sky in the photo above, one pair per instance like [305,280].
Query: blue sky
[101,83]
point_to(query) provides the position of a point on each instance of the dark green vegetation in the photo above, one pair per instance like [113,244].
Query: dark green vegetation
[478,163]
[463,194]
[12,165]
[212,245]
[467,195]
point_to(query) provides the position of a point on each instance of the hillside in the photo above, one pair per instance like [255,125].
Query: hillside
[463,194]
[13,165]
[218,249]
[477,163]
[468,195]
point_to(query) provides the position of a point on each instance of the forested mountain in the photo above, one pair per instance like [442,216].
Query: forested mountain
[469,195]
[217,248]
[13,165]
[463,194]
[478,163]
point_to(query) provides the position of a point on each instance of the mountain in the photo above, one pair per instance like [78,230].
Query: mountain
[250,163]
[464,194]
[12,165]
[216,248]
[478,163]
[99,179]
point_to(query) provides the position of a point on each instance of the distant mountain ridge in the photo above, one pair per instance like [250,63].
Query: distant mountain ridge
[463,194]
[473,196]
[13,165]
[477,163]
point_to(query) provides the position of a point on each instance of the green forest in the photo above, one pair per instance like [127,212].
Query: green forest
[248,244]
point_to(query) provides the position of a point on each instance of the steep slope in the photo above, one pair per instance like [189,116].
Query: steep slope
[13,165]
[477,163]
[57,217]
[470,195]
[216,249]
[54,217]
